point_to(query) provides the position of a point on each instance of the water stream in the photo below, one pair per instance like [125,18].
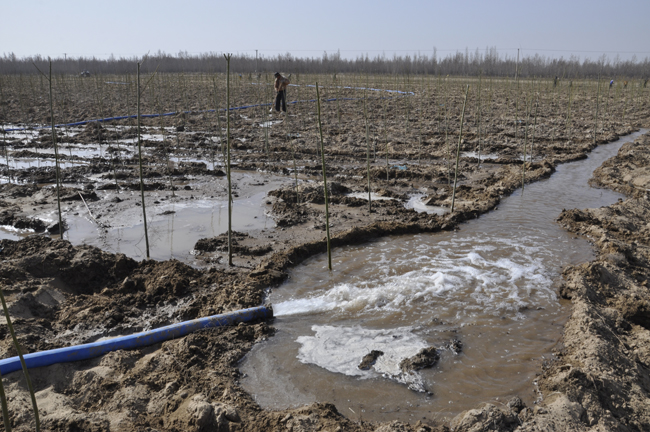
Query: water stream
[490,286]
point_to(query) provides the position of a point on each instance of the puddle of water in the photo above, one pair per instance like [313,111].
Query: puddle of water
[492,285]
[173,235]
[66,149]
[474,154]
[269,123]
[416,203]
[23,163]
[143,137]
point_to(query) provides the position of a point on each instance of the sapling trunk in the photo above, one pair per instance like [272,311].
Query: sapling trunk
[517,97]
[267,125]
[164,141]
[144,210]
[227,57]
[568,114]
[596,116]
[447,133]
[625,98]
[216,110]
[338,105]
[523,171]
[4,146]
[56,157]
[420,130]
[478,118]
[322,153]
[384,103]
[4,133]
[460,139]
[532,141]
[293,156]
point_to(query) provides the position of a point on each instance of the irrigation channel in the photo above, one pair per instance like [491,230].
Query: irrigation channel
[485,296]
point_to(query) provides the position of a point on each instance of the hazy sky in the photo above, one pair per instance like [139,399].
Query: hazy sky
[306,29]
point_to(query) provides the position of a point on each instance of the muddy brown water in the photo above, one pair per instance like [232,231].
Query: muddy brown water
[491,286]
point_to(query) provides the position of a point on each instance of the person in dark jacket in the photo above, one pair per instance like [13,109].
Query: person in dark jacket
[281,83]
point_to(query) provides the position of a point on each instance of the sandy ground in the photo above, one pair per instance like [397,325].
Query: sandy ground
[59,294]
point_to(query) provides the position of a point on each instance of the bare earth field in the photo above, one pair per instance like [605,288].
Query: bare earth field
[60,294]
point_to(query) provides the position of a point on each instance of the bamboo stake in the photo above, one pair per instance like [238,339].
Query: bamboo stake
[322,153]
[460,139]
[365,115]
[5,409]
[22,360]
[87,208]
[227,57]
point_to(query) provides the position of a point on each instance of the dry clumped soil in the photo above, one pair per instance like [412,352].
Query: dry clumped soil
[60,295]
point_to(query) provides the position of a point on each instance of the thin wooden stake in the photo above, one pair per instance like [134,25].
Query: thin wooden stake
[144,210]
[327,212]
[22,361]
[227,57]
[365,115]
[460,139]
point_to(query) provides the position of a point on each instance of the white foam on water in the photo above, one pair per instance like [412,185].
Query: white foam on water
[13,229]
[341,349]
[460,274]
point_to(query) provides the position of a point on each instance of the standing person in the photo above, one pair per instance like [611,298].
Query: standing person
[280,86]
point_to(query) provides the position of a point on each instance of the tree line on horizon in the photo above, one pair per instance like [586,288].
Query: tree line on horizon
[487,63]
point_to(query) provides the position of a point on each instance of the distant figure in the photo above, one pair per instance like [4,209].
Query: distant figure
[555,82]
[645,83]
[85,73]
[611,83]
[280,86]
[624,84]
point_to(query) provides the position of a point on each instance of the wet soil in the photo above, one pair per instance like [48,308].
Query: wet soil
[59,294]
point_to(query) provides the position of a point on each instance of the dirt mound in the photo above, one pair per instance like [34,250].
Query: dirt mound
[629,172]
[220,244]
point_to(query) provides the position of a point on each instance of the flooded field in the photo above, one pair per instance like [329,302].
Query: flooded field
[485,296]
[493,302]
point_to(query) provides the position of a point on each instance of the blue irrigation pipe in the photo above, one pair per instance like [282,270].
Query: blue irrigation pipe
[84,122]
[151,337]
